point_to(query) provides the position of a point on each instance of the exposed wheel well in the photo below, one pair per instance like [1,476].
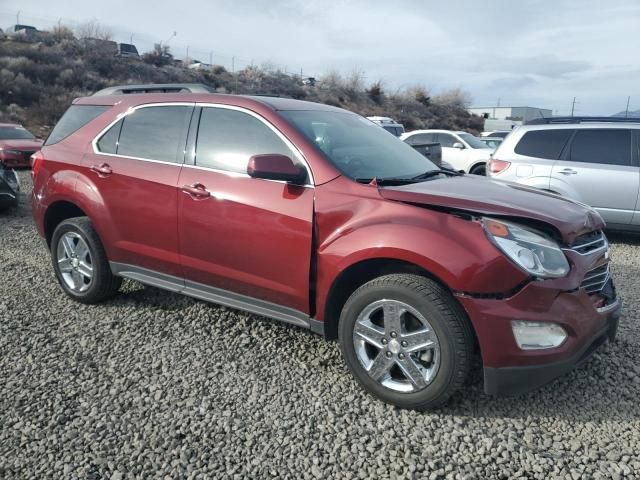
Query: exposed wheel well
[478,164]
[357,275]
[58,212]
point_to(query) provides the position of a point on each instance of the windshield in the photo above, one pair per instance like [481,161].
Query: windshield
[15,133]
[472,141]
[358,147]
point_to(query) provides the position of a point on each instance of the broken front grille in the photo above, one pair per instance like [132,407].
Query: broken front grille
[589,242]
[595,280]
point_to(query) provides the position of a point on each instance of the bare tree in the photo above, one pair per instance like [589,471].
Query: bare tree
[455,97]
[93,29]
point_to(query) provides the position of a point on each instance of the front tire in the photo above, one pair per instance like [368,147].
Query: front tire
[80,262]
[406,340]
[479,170]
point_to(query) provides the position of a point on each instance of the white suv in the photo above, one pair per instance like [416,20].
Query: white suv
[592,160]
[460,149]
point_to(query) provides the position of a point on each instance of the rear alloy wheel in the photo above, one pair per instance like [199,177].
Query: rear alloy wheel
[74,262]
[80,262]
[479,170]
[406,340]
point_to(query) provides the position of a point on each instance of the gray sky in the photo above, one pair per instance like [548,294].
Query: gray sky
[525,52]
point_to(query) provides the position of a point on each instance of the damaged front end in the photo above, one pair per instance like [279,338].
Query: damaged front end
[9,188]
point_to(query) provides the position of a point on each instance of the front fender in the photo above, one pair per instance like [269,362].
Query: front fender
[454,250]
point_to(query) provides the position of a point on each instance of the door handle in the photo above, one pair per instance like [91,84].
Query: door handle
[568,171]
[102,170]
[197,191]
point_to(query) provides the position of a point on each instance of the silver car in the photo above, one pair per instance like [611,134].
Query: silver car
[594,161]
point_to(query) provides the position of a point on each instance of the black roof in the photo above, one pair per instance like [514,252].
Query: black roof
[569,120]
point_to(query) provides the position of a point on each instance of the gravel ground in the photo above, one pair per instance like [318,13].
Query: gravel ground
[154,384]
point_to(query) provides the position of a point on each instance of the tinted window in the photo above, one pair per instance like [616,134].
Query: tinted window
[472,141]
[543,143]
[447,140]
[357,147]
[228,138]
[421,138]
[73,119]
[16,132]
[109,141]
[155,133]
[602,146]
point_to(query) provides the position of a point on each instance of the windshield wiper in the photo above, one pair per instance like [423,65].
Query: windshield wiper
[432,173]
[404,181]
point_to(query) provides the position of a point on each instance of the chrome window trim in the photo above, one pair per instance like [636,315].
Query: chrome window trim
[129,111]
[298,154]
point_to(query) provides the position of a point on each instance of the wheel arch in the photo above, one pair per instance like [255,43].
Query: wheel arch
[361,272]
[58,212]
[477,164]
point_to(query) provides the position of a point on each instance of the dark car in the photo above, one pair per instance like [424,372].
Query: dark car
[315,216]
[9,188]
[17,145]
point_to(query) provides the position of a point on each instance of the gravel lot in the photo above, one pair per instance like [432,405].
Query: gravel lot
[154,384]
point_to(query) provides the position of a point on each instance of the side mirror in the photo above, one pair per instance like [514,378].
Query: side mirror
[273,166]
[458,145]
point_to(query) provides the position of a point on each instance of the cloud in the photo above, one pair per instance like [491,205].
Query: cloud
[542,65]
[527,52]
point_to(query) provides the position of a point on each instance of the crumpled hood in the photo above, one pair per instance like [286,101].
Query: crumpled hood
[21,144]
[491,197]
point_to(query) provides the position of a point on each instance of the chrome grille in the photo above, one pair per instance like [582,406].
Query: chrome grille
[589,242]
[595,280]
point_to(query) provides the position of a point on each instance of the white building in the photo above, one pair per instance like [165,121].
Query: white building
[505,118]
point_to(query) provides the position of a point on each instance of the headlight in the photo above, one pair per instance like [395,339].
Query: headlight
[537,335]
[533,251]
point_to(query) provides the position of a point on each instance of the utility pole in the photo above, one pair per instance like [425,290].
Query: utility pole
[18,18]
[186,60]
[131,39]
[626,112]
[210,58]
[573,106]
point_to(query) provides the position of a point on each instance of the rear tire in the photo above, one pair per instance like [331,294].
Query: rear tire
[80,262]
[406,340]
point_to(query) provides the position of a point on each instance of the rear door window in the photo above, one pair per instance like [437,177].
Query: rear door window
[609,146]
[76,117]
[546,144]
[155,133]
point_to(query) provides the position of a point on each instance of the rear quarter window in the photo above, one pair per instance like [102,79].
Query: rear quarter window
[76,117]
[546,144]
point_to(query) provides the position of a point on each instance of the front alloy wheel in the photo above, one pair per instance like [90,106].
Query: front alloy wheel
[406,340]
[396,345]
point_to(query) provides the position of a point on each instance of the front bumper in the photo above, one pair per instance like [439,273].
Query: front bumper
[504,381]
[509,370]
[17,161]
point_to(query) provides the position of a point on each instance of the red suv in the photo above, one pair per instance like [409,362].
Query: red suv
[316,216]
[17,144]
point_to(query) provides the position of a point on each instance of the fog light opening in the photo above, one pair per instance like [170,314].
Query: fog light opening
[538,335]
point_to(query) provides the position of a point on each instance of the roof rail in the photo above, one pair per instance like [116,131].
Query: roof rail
[155,88]
[552,120]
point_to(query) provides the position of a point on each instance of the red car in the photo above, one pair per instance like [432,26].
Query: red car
[17,145]
[315,216]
